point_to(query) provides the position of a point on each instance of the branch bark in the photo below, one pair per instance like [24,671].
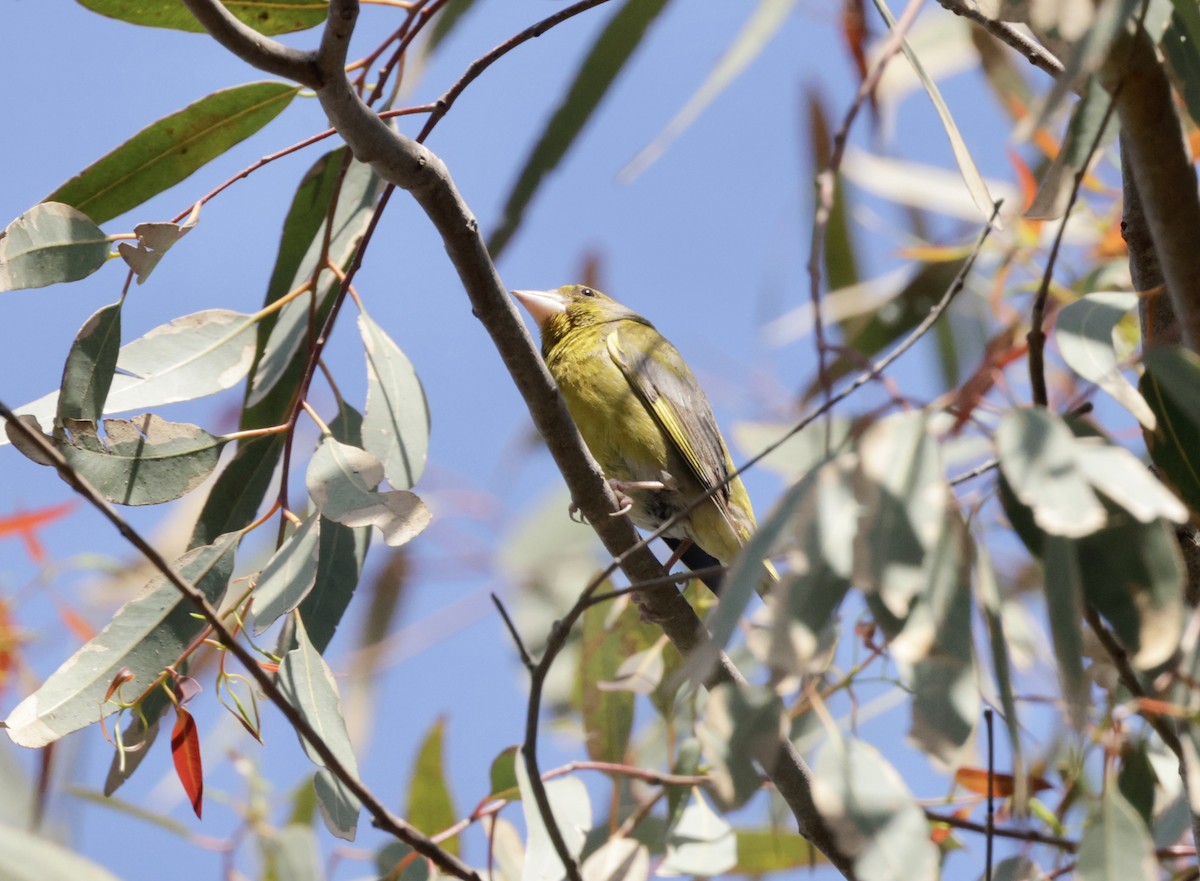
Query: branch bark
[414,168]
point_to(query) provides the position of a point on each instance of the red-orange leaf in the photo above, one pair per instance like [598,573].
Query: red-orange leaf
[185,750]
[976,780]
[123,675]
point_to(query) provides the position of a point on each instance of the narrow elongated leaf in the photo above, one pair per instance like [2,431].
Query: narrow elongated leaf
[616,43]
[269,17]
[904,498]
[763,24]
[451,15]
[88,373]
[572,811]
[988,591]
[430,804]
[1122,477]
[239,489]
[966,165]
[760,851]
[188,358]
[701,843]
[618,859]
[396,422]
[1037,456]
[308,684]
[341,480]
[738,720]
[1116,845]
[169,150]
[294,853]
[607,713]
[1179,43]
[1054,191]
[185,752]
[48,244]
[28,857]
[142,461]
[872,814]
[1064,604]
[355,203]
[146,635]
[1084,330]
[288,576]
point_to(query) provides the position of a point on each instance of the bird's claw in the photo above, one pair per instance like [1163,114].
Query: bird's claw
[576,515]
[621,489]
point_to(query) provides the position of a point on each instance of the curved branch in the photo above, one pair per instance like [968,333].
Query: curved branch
[402,161]
[252,47]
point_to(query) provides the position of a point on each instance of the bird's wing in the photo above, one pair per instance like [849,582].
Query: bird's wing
[665,385]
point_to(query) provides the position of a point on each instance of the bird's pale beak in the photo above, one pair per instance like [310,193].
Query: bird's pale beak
[542,305]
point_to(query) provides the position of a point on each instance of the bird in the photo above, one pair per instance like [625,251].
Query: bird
[647,422]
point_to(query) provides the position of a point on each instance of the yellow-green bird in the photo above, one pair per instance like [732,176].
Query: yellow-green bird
[646,420]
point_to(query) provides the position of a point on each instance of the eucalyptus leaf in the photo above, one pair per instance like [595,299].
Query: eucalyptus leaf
[48,244]
[1084,330]
[872,815]
[701,843]
[91,363]
[188,358]
[308,684]
[142,461]
[28,857]
[153,242]
[341,480]
[430,804]
[288,576]
[171,149]
[268,17]
[1064,604]
[1057,184]
[572,811]
[740,721]
[618,859]
[1116,845]
[144,637]
[396,421]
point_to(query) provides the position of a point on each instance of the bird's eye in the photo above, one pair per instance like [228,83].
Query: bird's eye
[587,292]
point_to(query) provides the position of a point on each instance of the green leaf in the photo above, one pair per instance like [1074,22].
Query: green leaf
[737,719]
[1084,330]
[945,682]
[308,684]
[618,859]
[1064,604]
[966,166]
[687,762]
[607,56]
[1179,43]
[239,489]
[452,14]
[1038,457]
[48,244]
[140,732]
[1016,869]
[1137,780]
[1054,190]
[607,713]
[288,576]
[396,422]
[341,480]
[142,461]
[701,843]
[430,804]
[872,815]
[988,590]
[145,636]
[292,854]
[1169,388]
[1116,845]
[761,851]
[503,774]
[572,811]
[168,151]
[90,366]
[841,262]
[764,23]
[188,358]
[904,497]
[356,199]
[269,17]
[28,857]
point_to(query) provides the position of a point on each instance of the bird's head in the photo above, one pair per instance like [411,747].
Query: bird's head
[572,306]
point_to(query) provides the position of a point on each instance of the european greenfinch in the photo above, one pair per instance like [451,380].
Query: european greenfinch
[646,421]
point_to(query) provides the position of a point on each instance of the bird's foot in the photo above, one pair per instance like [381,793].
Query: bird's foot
[575,514]
[621,490]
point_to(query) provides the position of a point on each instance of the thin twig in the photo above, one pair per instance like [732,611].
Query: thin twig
[988,715]
[1037,336]
[826,183]
[1030,835]
[1035,53]
[512,631]
[383,818]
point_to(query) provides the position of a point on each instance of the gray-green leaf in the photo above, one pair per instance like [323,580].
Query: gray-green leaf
[146,635]
[91,363]
[48,244]
[288,576]
[396,422]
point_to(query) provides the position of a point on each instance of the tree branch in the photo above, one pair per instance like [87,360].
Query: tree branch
[383,818]
[252,47]
[413,167]
[1152,145]
[1035,53]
